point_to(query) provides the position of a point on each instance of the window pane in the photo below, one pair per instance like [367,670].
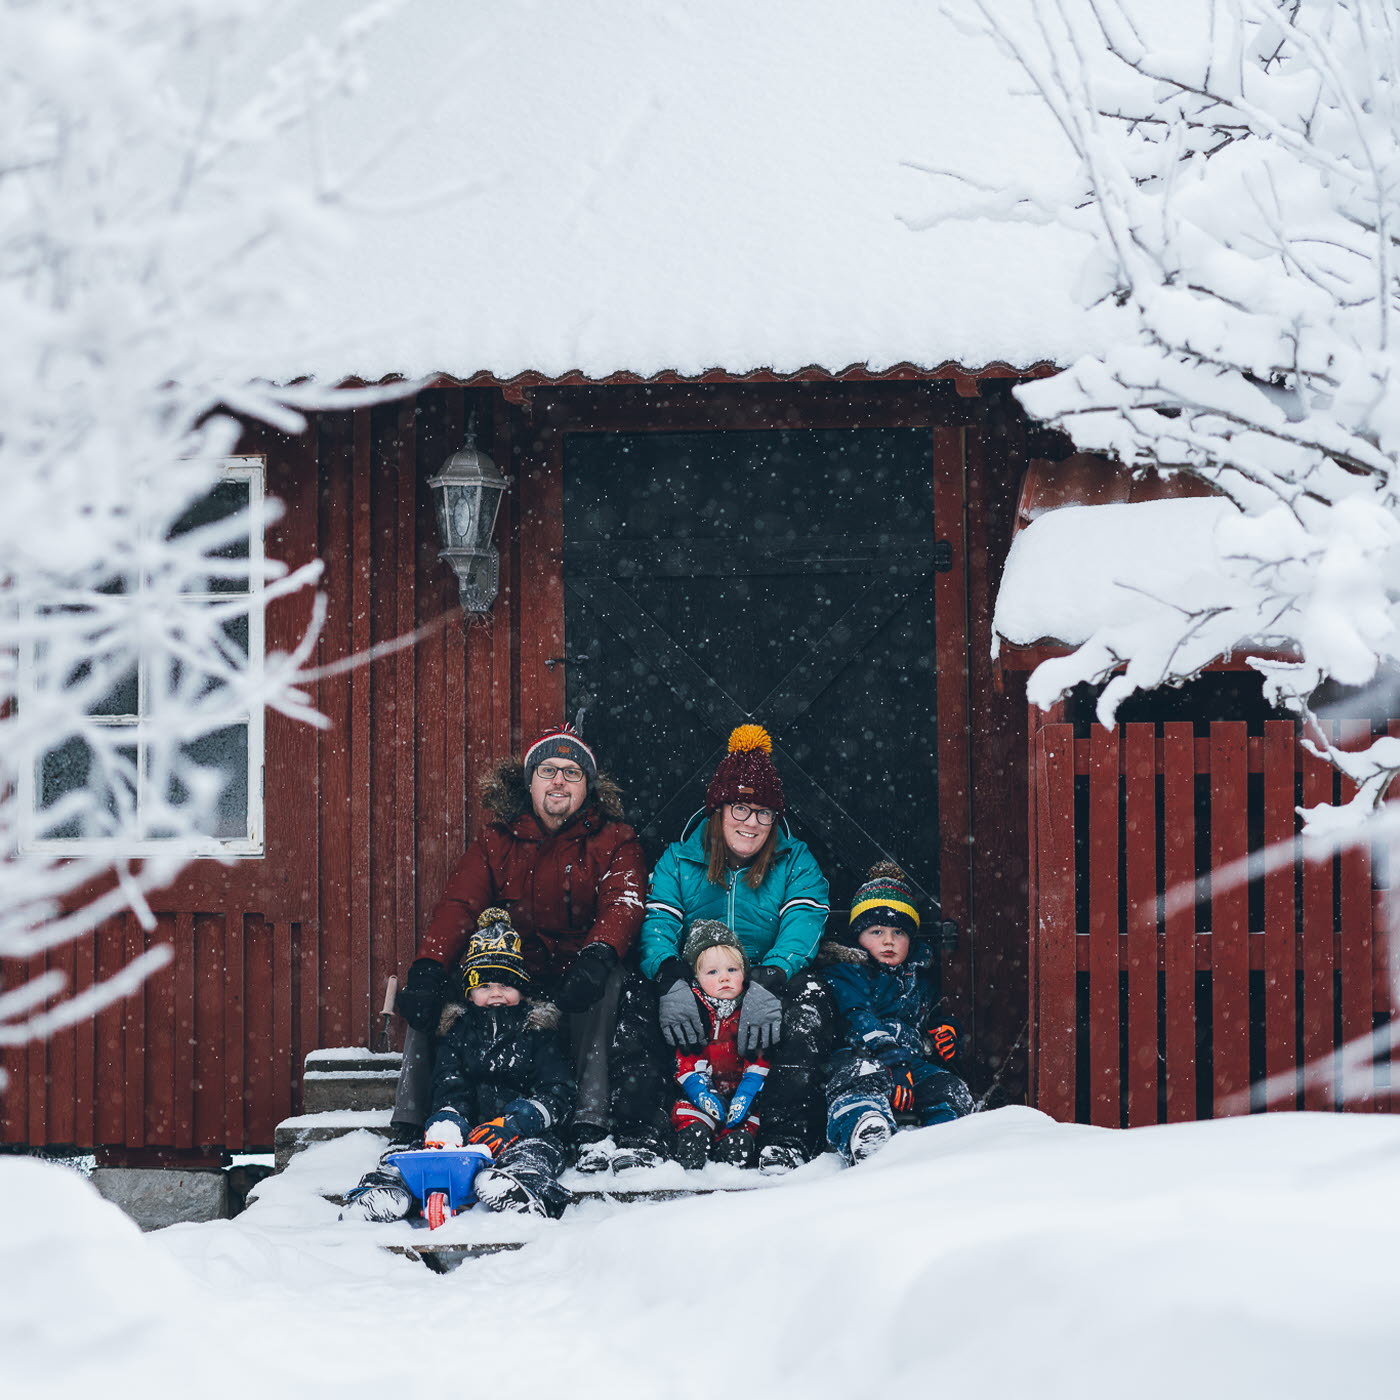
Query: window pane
[72,769]
[169,683]
[226,499]
[223,753]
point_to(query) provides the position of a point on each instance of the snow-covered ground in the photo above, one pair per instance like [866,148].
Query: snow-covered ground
[1002,1256]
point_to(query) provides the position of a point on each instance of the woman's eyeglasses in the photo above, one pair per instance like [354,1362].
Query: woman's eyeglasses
[550,771]
[741,812]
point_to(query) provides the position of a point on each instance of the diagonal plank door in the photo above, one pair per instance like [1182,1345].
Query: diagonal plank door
[783,577]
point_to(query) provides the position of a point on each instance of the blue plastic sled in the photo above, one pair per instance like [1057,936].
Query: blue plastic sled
[446,1172]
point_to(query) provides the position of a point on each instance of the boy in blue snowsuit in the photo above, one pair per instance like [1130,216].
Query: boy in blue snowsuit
[897,1042]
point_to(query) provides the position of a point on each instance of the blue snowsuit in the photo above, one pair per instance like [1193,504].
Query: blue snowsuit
[882,1014]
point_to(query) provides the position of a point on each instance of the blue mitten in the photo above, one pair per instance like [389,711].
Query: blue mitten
[701,1092]
[741,1105]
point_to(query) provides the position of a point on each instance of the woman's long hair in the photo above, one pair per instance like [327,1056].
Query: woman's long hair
[718,852]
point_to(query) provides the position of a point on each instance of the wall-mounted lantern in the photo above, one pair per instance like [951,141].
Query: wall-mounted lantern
[469,487]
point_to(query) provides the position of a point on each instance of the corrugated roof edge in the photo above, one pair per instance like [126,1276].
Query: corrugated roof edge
[514,387]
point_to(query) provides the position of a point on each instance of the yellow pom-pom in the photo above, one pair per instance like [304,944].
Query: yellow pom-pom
[748,737]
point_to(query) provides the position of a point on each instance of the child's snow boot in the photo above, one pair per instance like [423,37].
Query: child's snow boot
[870,1134]
[734,1149]
[636,1156]
[692,1146]
[593,1157]
[381,1196]
[502,1190]
[775,1158]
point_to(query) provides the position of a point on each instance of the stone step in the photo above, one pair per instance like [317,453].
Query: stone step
[329,1091]
[353,1057]
[294,1134]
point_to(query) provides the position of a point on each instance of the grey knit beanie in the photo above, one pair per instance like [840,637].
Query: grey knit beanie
[710,933]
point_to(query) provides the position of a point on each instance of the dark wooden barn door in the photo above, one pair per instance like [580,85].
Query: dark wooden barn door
[783,577]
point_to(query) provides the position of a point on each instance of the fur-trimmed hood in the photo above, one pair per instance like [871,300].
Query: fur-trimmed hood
[505,793]
[542,1016]
[832,951]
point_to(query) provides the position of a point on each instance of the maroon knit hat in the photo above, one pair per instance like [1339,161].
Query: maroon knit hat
[746,773]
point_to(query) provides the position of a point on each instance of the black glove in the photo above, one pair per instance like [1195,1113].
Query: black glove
[420,999]
[681,1023]
[761,1011]
[583,983]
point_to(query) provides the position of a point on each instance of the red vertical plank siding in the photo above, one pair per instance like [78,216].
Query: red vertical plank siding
[405,555]
[951,642]
[1229,917]
[1317,943]
[1280,913]
[541,601]
[85,1050]
[1140,842]
[235,1029]
[363,869]
[504,712]
[261,1068]
[279,1105]
[1056,934]
[211,956]
[62,1060]
[181,928]
[160,1051]
[1354,873]
[134,1040]
[1179,874]
[1033,903]
[1105,1082]
[110,1125]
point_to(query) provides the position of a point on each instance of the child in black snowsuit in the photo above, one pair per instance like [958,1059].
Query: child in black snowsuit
[715,1116]
[501,1080]
[897,1041]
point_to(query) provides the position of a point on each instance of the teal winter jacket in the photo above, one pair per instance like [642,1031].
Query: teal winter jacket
[779,924]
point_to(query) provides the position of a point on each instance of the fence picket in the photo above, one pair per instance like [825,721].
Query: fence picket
[1056,921]
[1280,910]
[1140,876]
[1179,869]
[1105,1080]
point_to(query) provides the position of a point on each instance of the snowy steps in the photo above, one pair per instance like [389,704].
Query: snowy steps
[349,1079]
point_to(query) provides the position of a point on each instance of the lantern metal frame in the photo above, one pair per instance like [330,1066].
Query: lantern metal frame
[469,490]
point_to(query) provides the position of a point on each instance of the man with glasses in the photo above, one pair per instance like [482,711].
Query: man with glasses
[572,876]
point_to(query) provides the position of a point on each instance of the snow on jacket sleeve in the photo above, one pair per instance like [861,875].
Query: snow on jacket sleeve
[665,913]
[801,915]
[469,890]
[621,899]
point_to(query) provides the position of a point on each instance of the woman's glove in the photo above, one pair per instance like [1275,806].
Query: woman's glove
[761,1012]
[741,1104]
[701,1092]
[446,1128]
[420,1000]
[583,983]
[682,1025]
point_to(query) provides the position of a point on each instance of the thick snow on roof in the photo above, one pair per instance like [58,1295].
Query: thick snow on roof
[683,187]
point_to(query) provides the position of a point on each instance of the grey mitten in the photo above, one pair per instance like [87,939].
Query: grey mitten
[679,1013]
[760,1020]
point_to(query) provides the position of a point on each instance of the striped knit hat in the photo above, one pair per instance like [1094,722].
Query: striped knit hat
[563,744]
[884,899]
[494,954]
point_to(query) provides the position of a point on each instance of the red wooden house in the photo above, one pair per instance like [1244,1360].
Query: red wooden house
[764,463]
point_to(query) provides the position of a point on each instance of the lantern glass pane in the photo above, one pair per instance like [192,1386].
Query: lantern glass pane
[465,505]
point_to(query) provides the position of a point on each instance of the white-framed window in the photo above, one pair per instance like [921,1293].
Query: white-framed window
[167,717]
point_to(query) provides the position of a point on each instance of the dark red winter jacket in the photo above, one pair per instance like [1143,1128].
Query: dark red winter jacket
[585,883]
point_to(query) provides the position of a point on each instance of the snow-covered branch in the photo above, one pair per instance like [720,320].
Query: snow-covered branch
[149,222]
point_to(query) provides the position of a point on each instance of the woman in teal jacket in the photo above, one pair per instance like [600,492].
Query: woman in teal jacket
[740,867]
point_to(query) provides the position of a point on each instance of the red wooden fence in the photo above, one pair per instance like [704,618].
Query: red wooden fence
[1158,1009]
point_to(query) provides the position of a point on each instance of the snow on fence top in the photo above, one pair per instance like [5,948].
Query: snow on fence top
[683,187]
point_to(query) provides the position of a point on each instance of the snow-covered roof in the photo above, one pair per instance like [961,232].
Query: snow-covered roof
[652,188]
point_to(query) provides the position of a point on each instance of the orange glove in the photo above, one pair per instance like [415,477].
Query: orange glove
[945,1041]
[902,1099]
[494,1136]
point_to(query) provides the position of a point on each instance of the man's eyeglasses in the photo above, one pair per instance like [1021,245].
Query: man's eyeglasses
[741,812]
[550,771]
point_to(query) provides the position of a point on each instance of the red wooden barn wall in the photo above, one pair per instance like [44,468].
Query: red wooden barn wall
[278,956]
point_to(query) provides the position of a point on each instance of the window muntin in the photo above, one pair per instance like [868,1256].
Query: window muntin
[123,754]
